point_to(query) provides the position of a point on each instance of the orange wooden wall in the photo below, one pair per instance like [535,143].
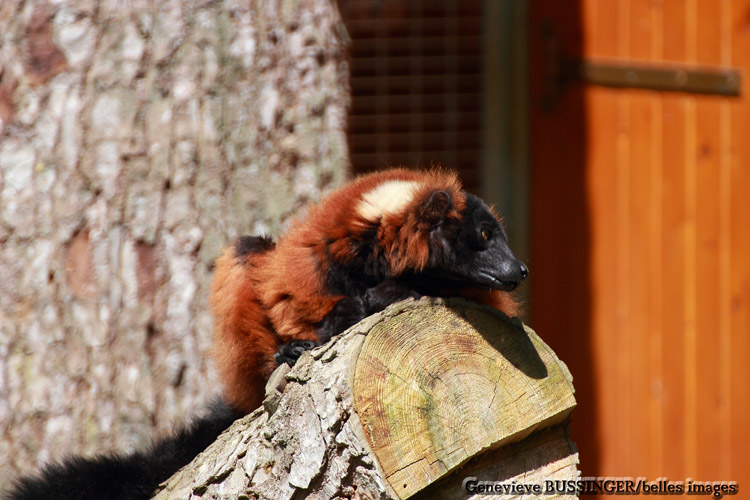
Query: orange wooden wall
[641,239]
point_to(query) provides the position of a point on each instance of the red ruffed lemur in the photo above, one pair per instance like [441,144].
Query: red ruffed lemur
[379,239]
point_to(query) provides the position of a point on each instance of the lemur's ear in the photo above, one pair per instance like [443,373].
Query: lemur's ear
[437,206]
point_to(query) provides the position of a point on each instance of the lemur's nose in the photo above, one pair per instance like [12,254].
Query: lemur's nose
[524,271]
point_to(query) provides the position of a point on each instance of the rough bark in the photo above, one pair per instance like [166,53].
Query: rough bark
[495,396]
[136,139]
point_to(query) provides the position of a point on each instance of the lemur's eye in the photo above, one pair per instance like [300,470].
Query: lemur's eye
[486,234]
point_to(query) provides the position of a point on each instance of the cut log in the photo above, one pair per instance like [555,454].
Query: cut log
[407,404]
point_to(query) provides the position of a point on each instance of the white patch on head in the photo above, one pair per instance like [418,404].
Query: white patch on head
[387,198]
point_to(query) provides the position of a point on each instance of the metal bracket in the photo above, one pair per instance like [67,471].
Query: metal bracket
[700,80]
[562,70]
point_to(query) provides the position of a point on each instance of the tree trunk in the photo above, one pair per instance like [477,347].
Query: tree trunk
[136,139]
[396,408]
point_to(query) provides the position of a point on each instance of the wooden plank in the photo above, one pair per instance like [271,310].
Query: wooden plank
[707,40]
[656,276]
[641,327]
[601,25]
[689,291]
[623,353]
[601,107]
[672,258]
[739,279]
[647,75]
[724,448]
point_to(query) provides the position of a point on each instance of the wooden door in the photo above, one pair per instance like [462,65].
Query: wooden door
[640,234]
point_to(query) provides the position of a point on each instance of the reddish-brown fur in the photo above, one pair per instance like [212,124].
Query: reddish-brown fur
[264,300]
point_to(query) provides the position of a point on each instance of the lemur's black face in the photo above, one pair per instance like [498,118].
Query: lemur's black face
[479,254]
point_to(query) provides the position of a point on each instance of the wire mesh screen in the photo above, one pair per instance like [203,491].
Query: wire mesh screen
[416,84]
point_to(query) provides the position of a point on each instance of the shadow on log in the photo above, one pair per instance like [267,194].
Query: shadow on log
[406,404]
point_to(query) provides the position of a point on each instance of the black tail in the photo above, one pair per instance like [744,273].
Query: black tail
[127,477]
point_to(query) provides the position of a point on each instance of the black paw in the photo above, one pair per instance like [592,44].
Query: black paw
[344,314]
[290,353]
[387,293]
